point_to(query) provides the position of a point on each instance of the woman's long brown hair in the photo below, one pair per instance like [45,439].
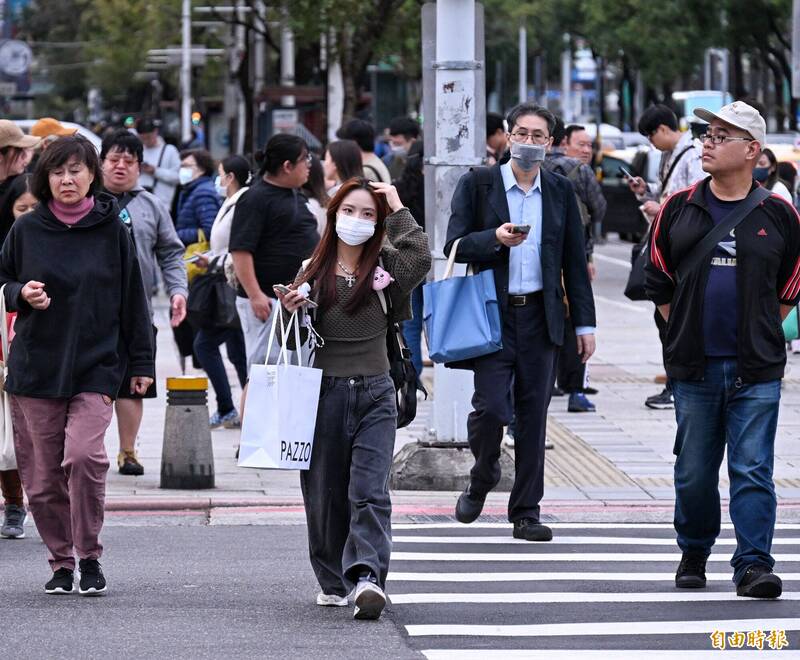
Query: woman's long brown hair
[322,268]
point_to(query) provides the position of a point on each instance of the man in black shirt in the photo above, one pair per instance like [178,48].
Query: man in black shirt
[272,232]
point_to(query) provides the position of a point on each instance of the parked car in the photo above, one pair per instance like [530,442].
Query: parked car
[26,124]
[623,215]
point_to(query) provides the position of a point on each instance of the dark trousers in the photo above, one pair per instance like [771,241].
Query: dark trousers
[412,330]
[714,414]
[571,369]
[526,363]
[346,489]
[206,346]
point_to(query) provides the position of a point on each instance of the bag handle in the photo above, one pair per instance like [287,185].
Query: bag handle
[4,326]
[451,262]
[702,249]
[284,351]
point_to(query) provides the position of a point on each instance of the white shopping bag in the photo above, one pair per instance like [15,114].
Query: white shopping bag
[281,408]
[8,459]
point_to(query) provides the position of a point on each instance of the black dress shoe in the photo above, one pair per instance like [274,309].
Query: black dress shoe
[759,582]
[557,391]
[531,530]
[469,507]
[691,573]
[590,390]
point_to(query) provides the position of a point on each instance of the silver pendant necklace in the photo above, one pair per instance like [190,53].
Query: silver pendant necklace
[350,275]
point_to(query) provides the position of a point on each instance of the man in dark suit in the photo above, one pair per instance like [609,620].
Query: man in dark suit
[523,223]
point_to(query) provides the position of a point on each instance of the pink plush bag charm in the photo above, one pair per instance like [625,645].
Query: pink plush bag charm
[381,279]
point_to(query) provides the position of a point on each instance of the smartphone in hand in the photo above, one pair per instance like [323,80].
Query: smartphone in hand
[625,173]
[283,290]
[520,229]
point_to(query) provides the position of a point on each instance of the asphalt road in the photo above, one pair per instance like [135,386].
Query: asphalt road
[192,592]
[179,588]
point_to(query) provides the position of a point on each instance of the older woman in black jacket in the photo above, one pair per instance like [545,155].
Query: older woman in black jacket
[69,270]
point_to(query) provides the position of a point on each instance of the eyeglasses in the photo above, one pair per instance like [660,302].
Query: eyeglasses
[538,137]
[719,139]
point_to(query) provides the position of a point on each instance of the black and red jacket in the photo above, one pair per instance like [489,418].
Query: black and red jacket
[767,275]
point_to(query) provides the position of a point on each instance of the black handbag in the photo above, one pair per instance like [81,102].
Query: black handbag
[401,369]
[212,303]
[640,254]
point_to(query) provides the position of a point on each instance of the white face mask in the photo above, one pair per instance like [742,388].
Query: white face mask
[185,175]
[222,191]
[352,230]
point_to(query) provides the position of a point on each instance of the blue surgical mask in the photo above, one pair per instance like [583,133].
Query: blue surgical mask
[185,175]
[222,191]
[761,174]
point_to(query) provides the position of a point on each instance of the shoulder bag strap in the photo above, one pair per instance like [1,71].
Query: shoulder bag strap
[4,326]
[710,240]
[673,166]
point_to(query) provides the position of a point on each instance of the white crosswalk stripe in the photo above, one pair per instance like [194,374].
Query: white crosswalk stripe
[470,592]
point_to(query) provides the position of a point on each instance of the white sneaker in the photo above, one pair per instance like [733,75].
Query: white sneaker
[331,600]
[369,599]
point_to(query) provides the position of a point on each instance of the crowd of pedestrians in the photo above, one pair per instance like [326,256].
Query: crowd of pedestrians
[90,238]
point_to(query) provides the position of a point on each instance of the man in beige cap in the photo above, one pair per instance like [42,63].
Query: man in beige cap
[724,271]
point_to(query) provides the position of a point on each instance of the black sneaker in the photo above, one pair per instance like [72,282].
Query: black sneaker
[93,582]
[691,573]
[759,582]
[62,582]
[662,401]
[532,530]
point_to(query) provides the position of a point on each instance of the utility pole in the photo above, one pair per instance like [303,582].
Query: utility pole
[287,58]
[796,49]
[523,64]
[566,81]
[335,87]
[186,71]
[454,97]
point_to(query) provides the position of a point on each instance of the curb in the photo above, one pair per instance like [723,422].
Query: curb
[289,505]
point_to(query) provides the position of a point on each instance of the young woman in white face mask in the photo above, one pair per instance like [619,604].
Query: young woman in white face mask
[346,489]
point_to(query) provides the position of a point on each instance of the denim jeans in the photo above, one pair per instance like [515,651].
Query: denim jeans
[718,412]
[206,346]
[412,330]
[346,489]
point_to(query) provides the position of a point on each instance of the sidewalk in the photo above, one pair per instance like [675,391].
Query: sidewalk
[616,462]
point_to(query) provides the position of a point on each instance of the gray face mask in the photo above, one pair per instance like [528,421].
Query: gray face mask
[526,156]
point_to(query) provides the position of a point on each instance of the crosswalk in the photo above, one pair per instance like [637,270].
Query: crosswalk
[472,591]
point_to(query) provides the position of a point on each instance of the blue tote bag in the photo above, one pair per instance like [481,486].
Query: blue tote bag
[461,315]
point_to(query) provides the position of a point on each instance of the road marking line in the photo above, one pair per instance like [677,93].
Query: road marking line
[575,597]
[567,540]
[560,556]
[618,303]
[550,576]
[609,628]
[574,654]
[559,525]
[612,260]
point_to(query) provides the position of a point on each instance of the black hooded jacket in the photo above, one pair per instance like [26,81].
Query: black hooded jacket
[97,322]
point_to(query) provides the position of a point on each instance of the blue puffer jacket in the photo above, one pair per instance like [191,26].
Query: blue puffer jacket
[197,207]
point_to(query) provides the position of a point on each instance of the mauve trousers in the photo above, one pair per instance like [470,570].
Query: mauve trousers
[63,464]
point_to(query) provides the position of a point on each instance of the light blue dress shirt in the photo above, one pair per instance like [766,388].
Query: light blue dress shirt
[524,260]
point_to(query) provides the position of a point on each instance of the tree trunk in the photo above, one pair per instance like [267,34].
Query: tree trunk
[777,81]
[786,70]
[243,78]
[740,90]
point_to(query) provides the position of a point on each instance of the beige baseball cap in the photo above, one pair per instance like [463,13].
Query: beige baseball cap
[11,135]
[740,115]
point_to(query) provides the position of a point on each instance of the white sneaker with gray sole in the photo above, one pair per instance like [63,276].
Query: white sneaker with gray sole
[331,600]
[369,600]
